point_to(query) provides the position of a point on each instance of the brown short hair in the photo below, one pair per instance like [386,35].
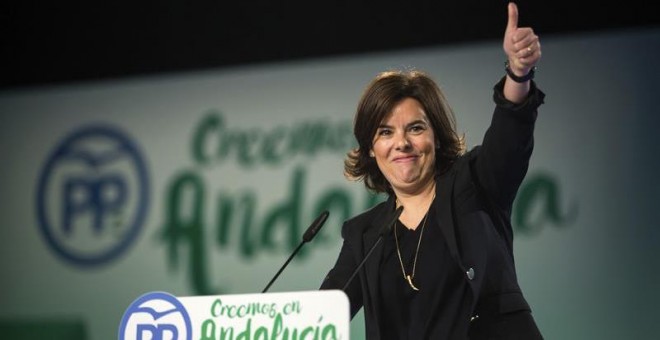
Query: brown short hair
[380,97]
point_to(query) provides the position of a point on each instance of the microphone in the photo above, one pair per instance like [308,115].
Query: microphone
[308,236]
[383,231]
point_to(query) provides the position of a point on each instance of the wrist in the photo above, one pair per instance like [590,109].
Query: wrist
[522,76]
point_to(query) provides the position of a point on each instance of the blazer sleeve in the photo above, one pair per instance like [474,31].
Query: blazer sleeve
[507,146]
[342,270]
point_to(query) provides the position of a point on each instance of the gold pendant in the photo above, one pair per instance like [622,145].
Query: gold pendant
[409,278]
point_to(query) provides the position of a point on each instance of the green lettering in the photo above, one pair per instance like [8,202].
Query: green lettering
[214,307]
[277,326]
[538,203]
[227,210]
[184,224]
[226,333]
[306,331]
[271,147]
[341,139]
[206,129]
[261,333]
[294,333]
[245,334]
[208,330]
[329,332]
[285,215]
[246,147]
[211,141]
[307,138]
[339,204]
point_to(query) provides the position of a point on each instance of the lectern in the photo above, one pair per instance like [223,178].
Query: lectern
[303,315]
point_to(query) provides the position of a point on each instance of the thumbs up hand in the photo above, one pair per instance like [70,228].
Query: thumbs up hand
[521,45]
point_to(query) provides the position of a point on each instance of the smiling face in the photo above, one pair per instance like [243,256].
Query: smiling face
[404,148]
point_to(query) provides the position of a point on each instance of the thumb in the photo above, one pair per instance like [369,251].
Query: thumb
[512,24]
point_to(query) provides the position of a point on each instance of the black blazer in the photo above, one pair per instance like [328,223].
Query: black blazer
[473,204]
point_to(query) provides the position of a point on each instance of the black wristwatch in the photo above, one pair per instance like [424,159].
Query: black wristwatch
[528,76]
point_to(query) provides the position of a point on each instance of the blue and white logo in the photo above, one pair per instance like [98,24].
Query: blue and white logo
[93,195]
[156,316]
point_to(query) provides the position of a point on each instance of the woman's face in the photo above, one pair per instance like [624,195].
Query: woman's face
[404,147]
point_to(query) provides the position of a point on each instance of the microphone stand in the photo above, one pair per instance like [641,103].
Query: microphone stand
[309,234]
[383,231]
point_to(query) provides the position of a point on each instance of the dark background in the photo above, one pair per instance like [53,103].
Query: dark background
[55,43]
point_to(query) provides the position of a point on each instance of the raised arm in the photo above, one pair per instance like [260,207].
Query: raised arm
[502,162]
[523,50]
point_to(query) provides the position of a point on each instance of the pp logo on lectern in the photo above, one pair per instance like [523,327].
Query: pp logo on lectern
[92,195]
[156,316]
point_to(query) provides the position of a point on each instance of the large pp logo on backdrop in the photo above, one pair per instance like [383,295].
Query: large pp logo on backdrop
[92,196]
[156,316]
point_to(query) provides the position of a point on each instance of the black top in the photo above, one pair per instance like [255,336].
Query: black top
[405,312]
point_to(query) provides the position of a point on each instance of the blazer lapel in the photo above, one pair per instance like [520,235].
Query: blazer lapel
[443,206]
[372,265]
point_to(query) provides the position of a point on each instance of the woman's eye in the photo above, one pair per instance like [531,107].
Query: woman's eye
[417,128]
[384,132]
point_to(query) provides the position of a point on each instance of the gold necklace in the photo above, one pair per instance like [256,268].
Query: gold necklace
[409,277]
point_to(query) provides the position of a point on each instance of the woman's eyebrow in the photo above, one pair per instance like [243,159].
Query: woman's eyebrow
[418,121]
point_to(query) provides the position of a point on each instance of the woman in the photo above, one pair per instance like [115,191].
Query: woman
[446,270]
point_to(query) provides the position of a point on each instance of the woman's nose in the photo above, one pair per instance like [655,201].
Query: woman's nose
[402,142]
